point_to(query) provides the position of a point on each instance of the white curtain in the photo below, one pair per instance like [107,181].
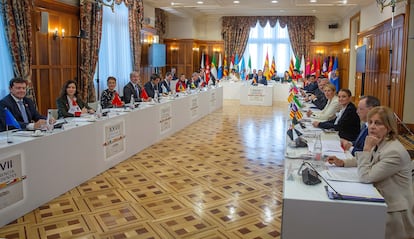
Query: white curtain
[115,50]
[274,41]
[6,69]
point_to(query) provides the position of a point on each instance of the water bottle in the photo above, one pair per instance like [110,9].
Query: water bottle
[98,111]
[156,99]
[132,102]
[49,126]
[317,151]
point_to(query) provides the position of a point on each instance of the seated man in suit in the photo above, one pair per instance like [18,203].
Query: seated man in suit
[193,82]
[152,85]
[312,86]
[165,86]
[133,88]
[366,103]
[22,108]
[318,97]
[253,75]
[261,79]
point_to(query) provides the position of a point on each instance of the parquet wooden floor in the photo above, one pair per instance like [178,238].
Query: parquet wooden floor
[221,177]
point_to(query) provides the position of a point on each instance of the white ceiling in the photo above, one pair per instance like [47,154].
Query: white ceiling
[322,9]
[326,10]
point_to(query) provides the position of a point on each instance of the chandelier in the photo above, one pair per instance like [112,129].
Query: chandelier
[387,3]
[106,3]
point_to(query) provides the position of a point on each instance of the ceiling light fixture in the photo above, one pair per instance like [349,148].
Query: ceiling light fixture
[236,2]
[274,1]
[387,3]
[312,1]
[200,2]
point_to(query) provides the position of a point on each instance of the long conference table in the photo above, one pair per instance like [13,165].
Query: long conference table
[34,169]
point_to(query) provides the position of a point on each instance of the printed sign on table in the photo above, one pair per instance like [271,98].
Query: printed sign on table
[256,94]
[114,139]
[165,118]
[11,177]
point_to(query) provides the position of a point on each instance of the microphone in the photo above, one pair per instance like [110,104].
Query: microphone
[326,181]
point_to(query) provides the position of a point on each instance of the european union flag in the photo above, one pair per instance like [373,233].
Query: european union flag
[10,120]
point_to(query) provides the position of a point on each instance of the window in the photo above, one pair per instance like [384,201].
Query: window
[6,72]
[274,41]
[115,50]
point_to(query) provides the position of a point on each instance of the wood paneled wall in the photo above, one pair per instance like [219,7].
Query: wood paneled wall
[54,60]
[185,54]
[379,81]
[337,49]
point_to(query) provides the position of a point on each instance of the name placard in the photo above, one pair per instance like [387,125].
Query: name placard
[11,186]
[114,139]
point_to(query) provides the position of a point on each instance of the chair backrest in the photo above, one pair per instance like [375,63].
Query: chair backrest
[94,105]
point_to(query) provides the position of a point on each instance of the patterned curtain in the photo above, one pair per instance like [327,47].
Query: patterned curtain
[301,31]
[160,23]
[18,28]
[235,32]
[136,17]
[91,25]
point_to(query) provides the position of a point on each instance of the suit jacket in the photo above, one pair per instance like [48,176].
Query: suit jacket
[348,125]
[166,85]
[150,89]
[63,106]
[329,111]
[262,80]
[129,90]
[32,114]
[389,169]
[311,87]
[320,100]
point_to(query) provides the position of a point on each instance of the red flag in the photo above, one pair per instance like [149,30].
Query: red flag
[330,64]
[313,67]
[207,69]
[144,94]
[307,67]
[116,101]
[318,67]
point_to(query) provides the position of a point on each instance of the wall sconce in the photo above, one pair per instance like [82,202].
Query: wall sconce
[319,52]
[56,33]
[216,50]
[174,48]
[345,50]
[196,49]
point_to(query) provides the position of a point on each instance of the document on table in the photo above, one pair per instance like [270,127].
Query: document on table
[353,191]
[341,174]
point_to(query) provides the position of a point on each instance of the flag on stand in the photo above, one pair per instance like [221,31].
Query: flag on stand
[318,68]
[116,101]
[290,97]
[236,63]
[207,69]
[273,67]
[266,67]
[313,67]
[202,61]
[307,67]
[291,66]
[302,67]
[10,120]
[231,63]
[297,63]
[213,69]
[242,70]
[220,69]
[330,64]
[249,66]
[225,69]
[144,94]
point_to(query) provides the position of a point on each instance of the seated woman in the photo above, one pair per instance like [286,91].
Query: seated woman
[386,163]
[108,95]
[331,106]
[286,77]
[347,121]
[68,102]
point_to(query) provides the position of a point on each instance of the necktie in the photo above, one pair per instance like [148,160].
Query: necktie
[23,111]
[136,91]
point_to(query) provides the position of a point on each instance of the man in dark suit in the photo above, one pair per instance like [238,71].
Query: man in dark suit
[165,87]
[260,79]
[152,85]
[21,107]
[366,103]
[133,88]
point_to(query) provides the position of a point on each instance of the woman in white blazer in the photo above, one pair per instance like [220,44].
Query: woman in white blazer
[331,107]
[386,163]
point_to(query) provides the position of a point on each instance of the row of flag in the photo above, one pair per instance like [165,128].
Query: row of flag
[220,70]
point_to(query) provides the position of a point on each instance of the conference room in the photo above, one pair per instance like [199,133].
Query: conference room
[212,161]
